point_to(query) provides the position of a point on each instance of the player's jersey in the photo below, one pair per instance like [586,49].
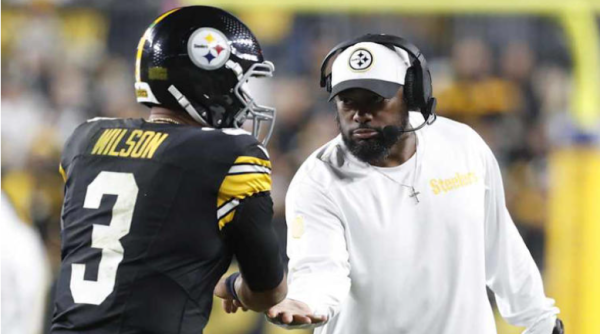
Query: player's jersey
[142,246]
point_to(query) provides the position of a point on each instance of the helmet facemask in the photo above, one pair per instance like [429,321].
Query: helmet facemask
[263,117]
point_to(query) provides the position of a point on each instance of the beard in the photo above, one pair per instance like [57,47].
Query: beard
[374,149]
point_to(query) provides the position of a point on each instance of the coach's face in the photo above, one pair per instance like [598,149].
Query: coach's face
[361,117]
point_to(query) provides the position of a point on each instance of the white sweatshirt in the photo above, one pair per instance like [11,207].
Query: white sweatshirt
[365,253]
[25,274]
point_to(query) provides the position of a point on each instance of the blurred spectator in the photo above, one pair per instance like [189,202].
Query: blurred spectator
[293,101]
[113,90]
[37,189]
[476,91]
[25,275]
[517,64]
[22,108]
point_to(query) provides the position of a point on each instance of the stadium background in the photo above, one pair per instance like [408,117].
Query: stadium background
[525,74]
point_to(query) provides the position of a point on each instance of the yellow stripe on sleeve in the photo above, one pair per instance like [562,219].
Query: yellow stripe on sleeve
[226,219]
[61,170]
[241,186]
[253,161]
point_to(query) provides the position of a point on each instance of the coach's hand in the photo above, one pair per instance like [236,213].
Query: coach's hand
[294,313]
[229,304]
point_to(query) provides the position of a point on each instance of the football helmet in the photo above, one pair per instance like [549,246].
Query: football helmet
[199,59]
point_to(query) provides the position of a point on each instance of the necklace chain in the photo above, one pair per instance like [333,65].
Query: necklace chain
[413,193]
[163,120]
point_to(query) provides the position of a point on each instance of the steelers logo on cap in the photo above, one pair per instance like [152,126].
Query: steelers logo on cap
[360,60]
[208,48]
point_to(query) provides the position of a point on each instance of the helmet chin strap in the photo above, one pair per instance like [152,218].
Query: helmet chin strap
[185,104]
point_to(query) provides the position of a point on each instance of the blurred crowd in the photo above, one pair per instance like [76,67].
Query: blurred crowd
[508,77]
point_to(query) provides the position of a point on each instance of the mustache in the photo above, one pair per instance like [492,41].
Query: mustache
[388,133]
[366,127]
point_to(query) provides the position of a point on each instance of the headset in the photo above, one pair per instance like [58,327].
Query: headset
[417,83]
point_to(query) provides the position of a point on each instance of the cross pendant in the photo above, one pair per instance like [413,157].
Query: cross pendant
[414,194]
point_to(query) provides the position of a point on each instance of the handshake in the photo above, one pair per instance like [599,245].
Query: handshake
[286,313]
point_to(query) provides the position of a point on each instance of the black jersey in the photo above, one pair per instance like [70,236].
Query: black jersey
[144,224]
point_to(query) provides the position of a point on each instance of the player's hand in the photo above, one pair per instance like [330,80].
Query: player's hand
[294,313]
[228,303]
[559,328]
[232,306]
[545,326]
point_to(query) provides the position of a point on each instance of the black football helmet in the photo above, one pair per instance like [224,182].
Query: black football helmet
[198,59]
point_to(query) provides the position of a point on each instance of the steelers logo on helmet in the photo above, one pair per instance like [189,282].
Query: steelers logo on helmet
[208,48]
[360,60]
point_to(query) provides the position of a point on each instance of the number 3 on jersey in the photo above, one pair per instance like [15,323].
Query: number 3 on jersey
[105,237]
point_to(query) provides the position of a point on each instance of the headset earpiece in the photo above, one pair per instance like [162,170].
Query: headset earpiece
[328,83]
[409,84]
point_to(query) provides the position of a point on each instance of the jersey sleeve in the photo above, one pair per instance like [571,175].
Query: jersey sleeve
[254,243]
[249,175]
[511,272]
[319,266]
[245,213]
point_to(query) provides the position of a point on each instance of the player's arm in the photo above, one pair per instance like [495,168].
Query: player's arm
[245,212]
[262,282]
[319,265]
[510,270]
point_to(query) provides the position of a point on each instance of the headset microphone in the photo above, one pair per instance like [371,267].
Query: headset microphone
[394,131]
